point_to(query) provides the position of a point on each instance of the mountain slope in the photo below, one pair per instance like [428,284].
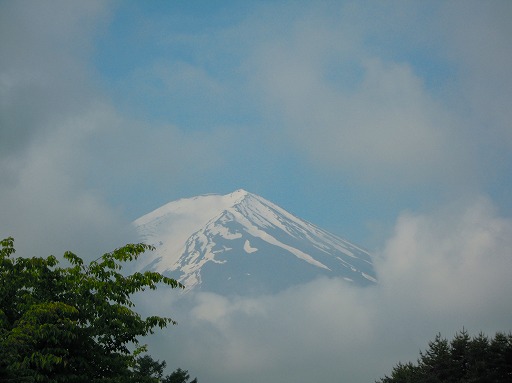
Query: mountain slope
[241,243]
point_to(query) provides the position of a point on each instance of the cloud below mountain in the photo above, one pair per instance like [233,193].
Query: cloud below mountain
[438,272]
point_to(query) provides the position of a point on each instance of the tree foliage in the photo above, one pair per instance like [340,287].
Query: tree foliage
[73,323]
[179,376]
[462,360]
[147,370]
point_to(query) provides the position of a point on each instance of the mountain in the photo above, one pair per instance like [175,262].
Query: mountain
[240,243]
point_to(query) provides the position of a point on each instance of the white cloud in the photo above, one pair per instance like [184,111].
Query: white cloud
[65,149]
[455,260]
[355,100]
[46,206]
[43,76]
[477,39]
[49,110]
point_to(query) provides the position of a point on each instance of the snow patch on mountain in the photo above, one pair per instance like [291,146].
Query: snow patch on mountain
[247,247]
[171,225]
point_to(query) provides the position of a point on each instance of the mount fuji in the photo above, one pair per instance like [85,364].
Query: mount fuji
[240,243]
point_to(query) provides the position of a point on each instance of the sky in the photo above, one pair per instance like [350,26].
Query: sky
[386,123]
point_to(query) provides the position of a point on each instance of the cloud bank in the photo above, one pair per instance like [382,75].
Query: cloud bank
[439,272]
[354,99]
[68,159]
[47,113]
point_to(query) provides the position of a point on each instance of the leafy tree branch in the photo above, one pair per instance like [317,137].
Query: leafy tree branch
[74,323]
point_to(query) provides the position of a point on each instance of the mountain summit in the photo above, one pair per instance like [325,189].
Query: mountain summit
[240,243]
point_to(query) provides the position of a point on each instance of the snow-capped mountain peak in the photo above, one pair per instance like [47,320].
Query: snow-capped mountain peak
[240,242]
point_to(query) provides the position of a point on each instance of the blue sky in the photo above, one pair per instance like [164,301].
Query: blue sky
[387,123]
[345,113]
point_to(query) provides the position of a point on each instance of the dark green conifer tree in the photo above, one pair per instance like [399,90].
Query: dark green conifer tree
[460,356]
[462,360]
[179,376]
[435,362]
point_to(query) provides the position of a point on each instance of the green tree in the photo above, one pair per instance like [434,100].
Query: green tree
[460,355]
[479,359]
[463,360]
[403,373]
[74,323]
[500,364]
[435,362]
[179,376]
[147,370]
